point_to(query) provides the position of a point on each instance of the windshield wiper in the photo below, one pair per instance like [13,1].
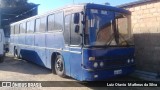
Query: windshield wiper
[123,39]
[116,35]
[112,38]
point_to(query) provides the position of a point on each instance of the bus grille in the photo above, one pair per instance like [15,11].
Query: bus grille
[113,61]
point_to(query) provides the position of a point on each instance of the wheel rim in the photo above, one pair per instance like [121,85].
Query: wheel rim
[59,65]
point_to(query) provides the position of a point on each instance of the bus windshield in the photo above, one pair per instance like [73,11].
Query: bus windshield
[107,28]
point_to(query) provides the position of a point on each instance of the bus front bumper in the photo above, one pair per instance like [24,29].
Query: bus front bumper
[103,75]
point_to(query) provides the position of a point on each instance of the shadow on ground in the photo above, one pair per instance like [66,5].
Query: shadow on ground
[22,66]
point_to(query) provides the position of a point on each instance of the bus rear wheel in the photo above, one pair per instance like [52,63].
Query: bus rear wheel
[15,53]
[59,66]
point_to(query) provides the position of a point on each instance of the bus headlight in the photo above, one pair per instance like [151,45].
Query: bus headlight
[101,64]
[95,64]
[128,61]
[132,60]
[92,58]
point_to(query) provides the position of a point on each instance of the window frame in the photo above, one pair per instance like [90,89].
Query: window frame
[12,29]
[72,23]
[80,25]
[15,31]
[69,29]
[45,29]
[38,26]
[62,28]
[0,37]
[30,27]
[49,30]
[25,29]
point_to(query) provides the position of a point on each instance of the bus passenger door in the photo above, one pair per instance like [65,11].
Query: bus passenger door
[66,53]
[75,46]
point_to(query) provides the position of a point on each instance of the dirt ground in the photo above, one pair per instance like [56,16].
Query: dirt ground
[20,70]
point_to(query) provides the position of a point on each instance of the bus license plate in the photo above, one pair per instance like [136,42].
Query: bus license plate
[117,72]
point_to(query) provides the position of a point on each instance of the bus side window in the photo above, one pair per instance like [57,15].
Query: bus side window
[23,27]
[58,21]
[67,29]
[0,37]
[75,37]
[50,22]
[12,30]
[17,29]
[37,25]
[30,27]
[43,24]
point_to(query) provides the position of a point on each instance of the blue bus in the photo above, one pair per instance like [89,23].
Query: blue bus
[87,42]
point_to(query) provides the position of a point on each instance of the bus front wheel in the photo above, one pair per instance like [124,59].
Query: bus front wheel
[59,66]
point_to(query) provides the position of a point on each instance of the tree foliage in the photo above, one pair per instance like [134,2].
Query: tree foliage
[12,3]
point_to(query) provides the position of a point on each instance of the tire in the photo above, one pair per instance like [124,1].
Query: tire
[59,66]
[53,66]
[19,56]
[1,59]
[15,53]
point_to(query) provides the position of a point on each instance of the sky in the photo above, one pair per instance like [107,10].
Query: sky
[46,5]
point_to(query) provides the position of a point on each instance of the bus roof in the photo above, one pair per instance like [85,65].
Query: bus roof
[105,7]
[84,5]
[50,12]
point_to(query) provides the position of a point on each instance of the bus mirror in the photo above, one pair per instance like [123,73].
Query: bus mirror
[82,13]
[77,29]
[83,22]
[76,18]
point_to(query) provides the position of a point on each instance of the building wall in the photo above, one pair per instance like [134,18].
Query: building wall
[146,30]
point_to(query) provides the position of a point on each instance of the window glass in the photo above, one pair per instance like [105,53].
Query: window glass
[12,30]
[0,37]
[37,25]
[58,21]
[22,27]
[50,22]
[17,29]
[43,24]
[67,29]
[75,37]
[30,26]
